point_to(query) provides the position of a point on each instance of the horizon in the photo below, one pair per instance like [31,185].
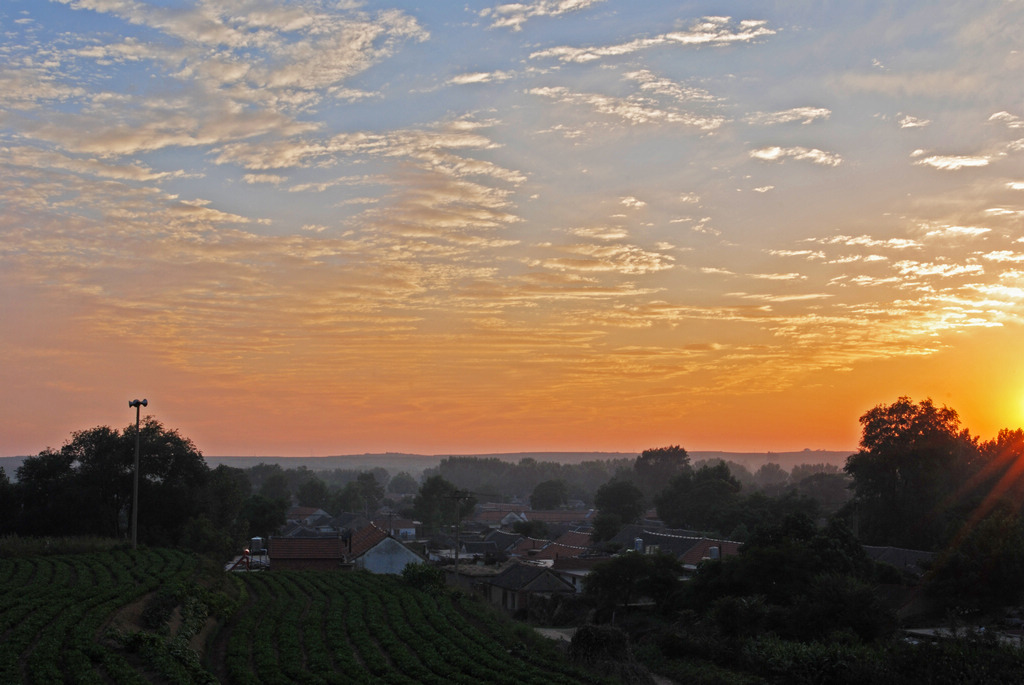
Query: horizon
[590,226]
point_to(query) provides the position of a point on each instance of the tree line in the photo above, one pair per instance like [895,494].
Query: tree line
[920,480]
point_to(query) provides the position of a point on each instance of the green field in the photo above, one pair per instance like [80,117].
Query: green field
[160,616]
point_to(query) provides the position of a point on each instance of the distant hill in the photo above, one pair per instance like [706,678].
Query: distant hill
[415,464]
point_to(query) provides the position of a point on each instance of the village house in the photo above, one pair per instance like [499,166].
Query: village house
[370,548]
[515,587]
[374,549]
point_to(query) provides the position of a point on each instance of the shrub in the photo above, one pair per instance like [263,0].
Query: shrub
[423,576]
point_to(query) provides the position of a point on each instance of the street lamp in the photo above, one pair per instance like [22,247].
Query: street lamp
[135,488]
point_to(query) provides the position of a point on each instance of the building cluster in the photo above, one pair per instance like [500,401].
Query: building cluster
[482,554]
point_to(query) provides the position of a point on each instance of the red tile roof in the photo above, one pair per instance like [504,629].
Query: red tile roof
[575,538]
[702,550]
[577,563]
[533,548]
[365,538]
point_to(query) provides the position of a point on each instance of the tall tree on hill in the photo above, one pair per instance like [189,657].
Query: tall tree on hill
[86,486]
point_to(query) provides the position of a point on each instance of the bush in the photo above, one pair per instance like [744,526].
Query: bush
[593,643]
[424,577]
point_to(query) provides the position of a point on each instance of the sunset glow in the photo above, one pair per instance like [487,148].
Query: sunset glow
[328,227]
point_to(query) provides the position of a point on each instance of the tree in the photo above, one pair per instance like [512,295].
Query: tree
[770,476]
[531,529]
[227,490]
[264,515]
[621,498]
[9,504]
[700,500]
[809,583]
[402,484]
[1000,476]
[439,502]
[830,490]
[47,494]
[623,579]
[801,471]
[172,482]
[912,458]
[86,487]
[275,486]
[984,566]
[605,527]
[312,493]
[222,526]
[549,494]
[655,467]
[363,494]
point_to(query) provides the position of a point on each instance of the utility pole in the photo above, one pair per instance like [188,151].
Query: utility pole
[459,496]
[135,487]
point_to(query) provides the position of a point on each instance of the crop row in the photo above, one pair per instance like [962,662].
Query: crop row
[323,628]
[314,628]
[52,610]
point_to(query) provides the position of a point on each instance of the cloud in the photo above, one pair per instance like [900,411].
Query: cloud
[658,85]
[228,72]
[708,31]
[514,15]
[805,115]
[1011,120]
[481,77]
[953,162]
[868,241]
[272,179]
[624,259]
[780,277]
[804,297]
[948,230]
[907,121]
[780,154]
[944,270]
[1004,256]
[810,254]
[601,233]
[633,110]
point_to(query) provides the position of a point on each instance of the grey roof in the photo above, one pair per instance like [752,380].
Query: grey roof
[503,540]
[525,577]
[480,547]
[674,541]
[911,560]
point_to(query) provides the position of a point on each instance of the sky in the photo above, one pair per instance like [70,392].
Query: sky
[316,227]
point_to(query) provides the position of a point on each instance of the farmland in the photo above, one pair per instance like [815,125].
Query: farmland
[158,616]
